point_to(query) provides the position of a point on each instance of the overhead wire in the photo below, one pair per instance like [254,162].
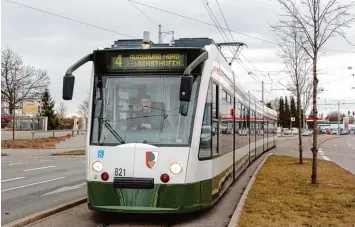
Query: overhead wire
[143,12]
[209,24]
[70,19]
[159,9]
[225,21]
[202,22]
[215,21]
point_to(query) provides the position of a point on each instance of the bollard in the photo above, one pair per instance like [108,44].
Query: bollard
[53,134]
[72,133]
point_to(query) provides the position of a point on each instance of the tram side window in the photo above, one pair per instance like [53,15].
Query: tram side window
[260,133]
[237,124]
[252,126]
[215,117]
[225,136]
[245,131]
[206,130]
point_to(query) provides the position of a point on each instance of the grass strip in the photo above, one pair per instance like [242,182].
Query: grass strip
[282,195]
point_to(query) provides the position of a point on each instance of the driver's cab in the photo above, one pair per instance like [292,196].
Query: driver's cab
[145,110]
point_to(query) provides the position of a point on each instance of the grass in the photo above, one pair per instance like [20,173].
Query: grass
[283,196]
[36,143]
[73,152]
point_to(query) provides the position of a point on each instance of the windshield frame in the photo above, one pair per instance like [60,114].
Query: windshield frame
[152,74]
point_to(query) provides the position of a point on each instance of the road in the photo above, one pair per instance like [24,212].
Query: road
[23,196]
[218,216]
[341,151]
[28,176]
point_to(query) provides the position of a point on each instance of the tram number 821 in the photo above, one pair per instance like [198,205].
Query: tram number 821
[120,172]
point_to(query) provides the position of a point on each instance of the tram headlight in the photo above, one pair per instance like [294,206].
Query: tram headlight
[175,168]
[97,166]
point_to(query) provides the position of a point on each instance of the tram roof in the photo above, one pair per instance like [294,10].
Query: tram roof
[182,42]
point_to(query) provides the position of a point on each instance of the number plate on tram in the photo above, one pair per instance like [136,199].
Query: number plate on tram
[120,172]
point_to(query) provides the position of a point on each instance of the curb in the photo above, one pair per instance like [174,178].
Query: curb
[45,213]
[238,211]
[327,139]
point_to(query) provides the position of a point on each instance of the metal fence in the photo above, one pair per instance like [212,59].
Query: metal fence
[23,123]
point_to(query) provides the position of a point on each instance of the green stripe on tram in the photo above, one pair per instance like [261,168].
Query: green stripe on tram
[162,199]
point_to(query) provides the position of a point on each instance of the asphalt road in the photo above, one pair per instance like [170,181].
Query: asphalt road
[217,216]
[27,177]
[341,151]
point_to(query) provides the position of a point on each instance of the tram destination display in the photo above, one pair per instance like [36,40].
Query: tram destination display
[148,61]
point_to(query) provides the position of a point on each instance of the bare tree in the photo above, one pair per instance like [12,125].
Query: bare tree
[319,22]
[297,64]
[83,108]
[335,116]
[20,82]
[275,104]
[61,110]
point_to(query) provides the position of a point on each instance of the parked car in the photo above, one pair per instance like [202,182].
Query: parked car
[306,133]
[322,131]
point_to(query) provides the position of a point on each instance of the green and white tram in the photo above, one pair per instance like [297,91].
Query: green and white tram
[170,128]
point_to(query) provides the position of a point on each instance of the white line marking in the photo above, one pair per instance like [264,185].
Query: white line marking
[17,178]
[323,155]
[16,163]
[45,167]
[26,185]
[350,145]
[64,189]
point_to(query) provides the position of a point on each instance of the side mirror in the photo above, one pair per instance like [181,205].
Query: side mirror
[186,88]
[68,87]
[98,108]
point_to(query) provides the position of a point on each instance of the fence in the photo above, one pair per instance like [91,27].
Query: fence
[23,123]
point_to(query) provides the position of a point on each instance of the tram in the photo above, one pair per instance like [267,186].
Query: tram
[170,127]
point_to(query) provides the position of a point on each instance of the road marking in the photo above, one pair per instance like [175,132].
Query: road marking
[323,155]
[16,163]
[64,189]
[45,167]
[26,185]
[17,178]
[350,145]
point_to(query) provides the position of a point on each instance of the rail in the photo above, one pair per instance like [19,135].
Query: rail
[58,131]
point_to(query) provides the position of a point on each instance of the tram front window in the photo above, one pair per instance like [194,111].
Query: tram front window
[142,109]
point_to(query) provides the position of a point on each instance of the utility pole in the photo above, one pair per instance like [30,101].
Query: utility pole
[159,34]
[262,100]
[14,115]
[338,117]
[249,126]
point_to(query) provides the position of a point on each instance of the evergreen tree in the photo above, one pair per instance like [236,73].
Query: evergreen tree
[281,111]
[48,110]
[287,114]
[294,112]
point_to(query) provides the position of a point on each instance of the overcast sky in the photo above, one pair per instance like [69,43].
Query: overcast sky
[53,43]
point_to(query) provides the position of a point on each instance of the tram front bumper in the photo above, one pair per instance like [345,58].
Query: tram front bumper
[163,198]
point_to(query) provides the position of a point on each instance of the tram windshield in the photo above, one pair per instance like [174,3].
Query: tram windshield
[142,109]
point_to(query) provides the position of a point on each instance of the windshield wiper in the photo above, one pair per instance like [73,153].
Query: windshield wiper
[114,133]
